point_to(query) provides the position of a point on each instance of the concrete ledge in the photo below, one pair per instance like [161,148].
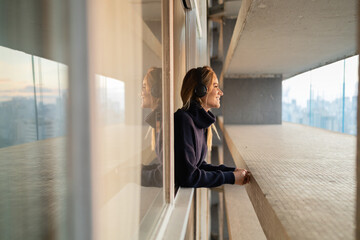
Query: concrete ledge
[241,217]
[304,181]
[266,215]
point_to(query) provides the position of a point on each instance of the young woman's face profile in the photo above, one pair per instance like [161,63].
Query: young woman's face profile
[145,94]
[212,98]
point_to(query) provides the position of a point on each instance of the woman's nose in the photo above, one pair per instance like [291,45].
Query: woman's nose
[221,92]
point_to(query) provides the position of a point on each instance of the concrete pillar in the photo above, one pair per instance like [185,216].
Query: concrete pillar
[250,100]
[228,29]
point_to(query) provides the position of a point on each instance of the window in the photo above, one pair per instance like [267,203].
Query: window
[296,99]
[126,105]
[325,97]
[106,104]
[33,98]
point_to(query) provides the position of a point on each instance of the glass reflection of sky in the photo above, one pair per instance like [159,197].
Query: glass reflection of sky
[48,98]
[17,101]
[16,78]
[46,80]
[31,113]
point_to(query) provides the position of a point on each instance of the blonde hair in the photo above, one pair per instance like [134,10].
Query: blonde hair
[154,80]
[187,92]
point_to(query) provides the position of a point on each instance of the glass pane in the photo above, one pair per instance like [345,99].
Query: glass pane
[296,99]
[32,175]
[17,100]
[330,93]
[63,97]
[50,106]
[327,96]
[127,99]
[351,94]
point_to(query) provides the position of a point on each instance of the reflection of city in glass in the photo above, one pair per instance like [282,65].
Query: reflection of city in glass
[325,97]
[33,96]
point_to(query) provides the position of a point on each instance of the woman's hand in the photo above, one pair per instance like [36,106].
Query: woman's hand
[242,176]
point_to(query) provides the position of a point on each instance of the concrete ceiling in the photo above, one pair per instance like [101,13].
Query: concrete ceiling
[150,9]
[290,36]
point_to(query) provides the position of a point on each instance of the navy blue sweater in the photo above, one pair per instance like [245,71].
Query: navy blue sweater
[152,174]
[191,170]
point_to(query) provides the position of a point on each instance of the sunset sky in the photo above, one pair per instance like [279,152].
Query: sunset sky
[16,76]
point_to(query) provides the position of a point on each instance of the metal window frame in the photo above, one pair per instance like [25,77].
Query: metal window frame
[167,23]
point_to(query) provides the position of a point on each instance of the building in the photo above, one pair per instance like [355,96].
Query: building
[87,184]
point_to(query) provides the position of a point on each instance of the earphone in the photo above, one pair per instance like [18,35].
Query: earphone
[156,91]
[200,89]
[156,88]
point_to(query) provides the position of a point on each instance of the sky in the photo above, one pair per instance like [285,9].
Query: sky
[326,82]
[16,76]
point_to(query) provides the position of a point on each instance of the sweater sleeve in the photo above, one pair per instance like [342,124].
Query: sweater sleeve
[187,174]
[209,167]
[151,175]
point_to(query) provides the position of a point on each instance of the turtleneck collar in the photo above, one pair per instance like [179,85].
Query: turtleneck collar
[201,118]
[154,116]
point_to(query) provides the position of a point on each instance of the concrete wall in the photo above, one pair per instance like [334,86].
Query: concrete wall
[252,101]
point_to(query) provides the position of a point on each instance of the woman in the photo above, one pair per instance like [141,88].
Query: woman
[151,174]
[192,123]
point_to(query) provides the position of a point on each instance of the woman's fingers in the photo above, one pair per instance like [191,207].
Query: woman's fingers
[239,169]
[242,176]
[247,177]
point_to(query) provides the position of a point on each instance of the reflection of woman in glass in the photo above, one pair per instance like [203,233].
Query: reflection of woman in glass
[151,175]
[193,135]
